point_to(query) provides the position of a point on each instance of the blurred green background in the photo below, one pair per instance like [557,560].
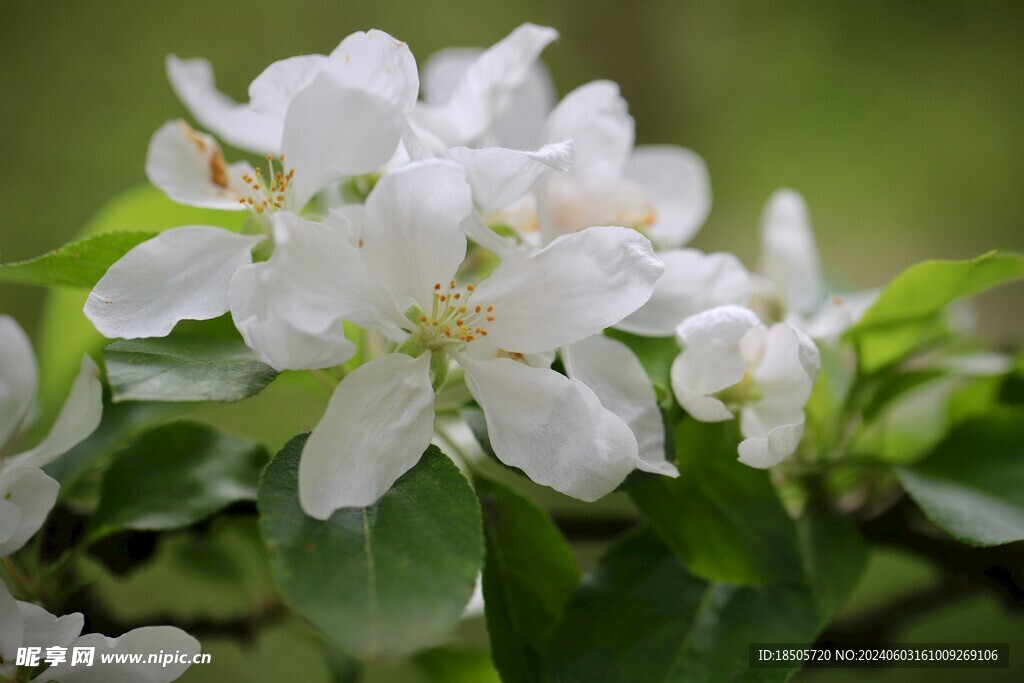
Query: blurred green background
[899,121]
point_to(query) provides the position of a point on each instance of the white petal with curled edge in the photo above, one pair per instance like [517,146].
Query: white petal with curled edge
[551,427]
[790,254]
[412,237]
[712,358]
[376,426]
[770,450]
[78,418]
[189,167]
[44,630]
[500,176]
[785,368]
[350,118]
[12,631]
[699,405]
[34,493]
[618,378]
[181,274]
[569,290]
[693,282]
[272,91]
[146,640]
[596,118]
[677,181]
[18,378]
[237,124]
[487,88]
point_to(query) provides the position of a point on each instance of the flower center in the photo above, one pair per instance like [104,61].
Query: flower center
[269,193]
[453,319]
[739,394]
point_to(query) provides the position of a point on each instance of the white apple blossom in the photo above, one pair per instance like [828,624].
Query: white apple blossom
[793,276]
[23,624]
[27,494]
[334,116]
[399,277]
[732,363]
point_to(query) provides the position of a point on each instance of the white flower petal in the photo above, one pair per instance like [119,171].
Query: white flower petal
[567,204]
[12,631]
[618,378]
[475,230]
[44,630]
[487,87]
[712,359]
[677,182]
[551,427]
[596,118]
[146,640]
[273,90]
[237,124]
[18,378]
[701,407]
[181,274]
[412,236]
[573,288]
[693,282]
[768,451]
[78,418]
[34,493]
[376,426]
[785,367]
[350,118]
[443,71]
[190,168]
[790,255]
[500,176]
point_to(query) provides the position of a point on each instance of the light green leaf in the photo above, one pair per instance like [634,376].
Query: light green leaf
[907,313]
[457,665]
[180,368]
[76,264]
[972,484]
[175,475]
[722,518]
[380,581]
[529,576]
[641,616]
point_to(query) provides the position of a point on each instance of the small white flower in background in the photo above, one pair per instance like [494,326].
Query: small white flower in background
[792,272]
[333,116]
[24,625]
[732,363]
[27,494]
[401,281]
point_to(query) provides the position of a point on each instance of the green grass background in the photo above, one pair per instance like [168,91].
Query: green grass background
[901,122]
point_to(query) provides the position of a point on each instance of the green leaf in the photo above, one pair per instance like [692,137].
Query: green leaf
[722,518]
[457,665]
[65,333]
[76,264]
[641,616]
[835,557]
[175,475]
[528,578]
[972,484]
[180,368]
[380,581]
[907,313]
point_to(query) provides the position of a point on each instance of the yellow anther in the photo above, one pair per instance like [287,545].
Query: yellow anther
[469,288]
[490,318]
[490,308]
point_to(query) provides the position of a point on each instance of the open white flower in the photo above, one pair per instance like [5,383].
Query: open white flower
[732,363]
[380,419]
[27,494]
[23,624]
[792,271]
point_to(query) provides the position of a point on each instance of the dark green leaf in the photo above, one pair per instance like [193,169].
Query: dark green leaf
[380,581]
[529,576]
[907,313]
[722,518]
[77,264]
[835,557]
[972,484]
[184,369]
[641,617]
[175,475]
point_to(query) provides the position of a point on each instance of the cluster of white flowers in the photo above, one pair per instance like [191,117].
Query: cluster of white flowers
[374,188]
